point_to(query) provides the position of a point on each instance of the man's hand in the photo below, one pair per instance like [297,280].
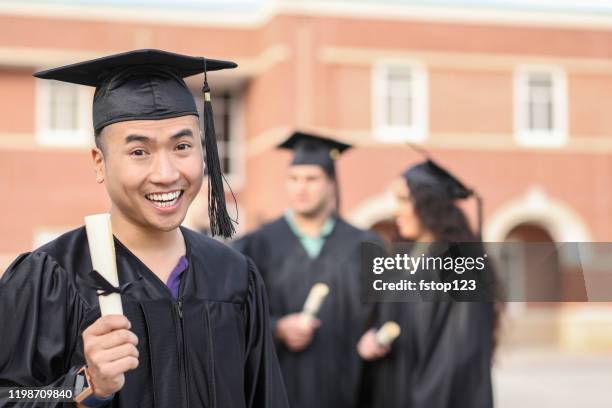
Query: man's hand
[110,351]
[296,331]
[369,349]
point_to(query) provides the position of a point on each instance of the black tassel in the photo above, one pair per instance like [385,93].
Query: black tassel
[220,222]
[479,205]
[337,188]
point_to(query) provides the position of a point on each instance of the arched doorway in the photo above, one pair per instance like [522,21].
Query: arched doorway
[527,275]
[531,266]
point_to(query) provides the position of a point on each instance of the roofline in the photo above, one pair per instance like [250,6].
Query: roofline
[474,15]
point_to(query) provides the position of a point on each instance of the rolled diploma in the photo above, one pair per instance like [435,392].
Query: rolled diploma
[313,302]
[387,333]
[102,250]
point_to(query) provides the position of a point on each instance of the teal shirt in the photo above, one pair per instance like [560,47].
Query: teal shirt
[312,245]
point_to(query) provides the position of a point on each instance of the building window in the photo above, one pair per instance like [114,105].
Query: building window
[64,114]
[222,109]
[540,107]
[228,129]
[44,235]
[399,102]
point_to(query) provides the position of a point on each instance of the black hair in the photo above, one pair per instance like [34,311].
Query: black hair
[98,138]
[439,214]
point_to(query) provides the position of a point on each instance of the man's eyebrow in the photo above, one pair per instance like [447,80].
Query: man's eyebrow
[137,138]
[182,133]
[145,139]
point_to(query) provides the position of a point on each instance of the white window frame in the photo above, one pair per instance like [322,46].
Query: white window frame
[235,178]
[82,136]
[524,136]
[383,131]
[43,235]
[237,148]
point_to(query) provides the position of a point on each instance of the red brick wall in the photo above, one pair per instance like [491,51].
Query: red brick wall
[56,188]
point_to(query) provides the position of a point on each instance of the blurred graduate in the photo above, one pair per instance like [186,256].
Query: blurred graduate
[442,357]
[195,330]
[311,244]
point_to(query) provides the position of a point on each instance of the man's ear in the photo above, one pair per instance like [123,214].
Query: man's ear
[98,161]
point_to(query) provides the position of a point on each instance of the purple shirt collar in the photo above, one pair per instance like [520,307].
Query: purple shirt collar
[174,280]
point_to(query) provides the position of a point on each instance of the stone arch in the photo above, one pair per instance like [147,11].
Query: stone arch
[561,221]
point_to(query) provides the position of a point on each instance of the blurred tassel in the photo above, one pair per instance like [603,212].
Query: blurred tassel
[220,222]
[337,187]
[479,205]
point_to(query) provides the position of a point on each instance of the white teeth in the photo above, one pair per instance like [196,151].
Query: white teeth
[163,204]
[166,203]
[165,199]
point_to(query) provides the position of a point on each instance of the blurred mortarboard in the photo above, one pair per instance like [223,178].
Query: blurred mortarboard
[428,174]
[312,149]
[148,85]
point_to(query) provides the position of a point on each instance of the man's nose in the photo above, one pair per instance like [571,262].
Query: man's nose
[164,170]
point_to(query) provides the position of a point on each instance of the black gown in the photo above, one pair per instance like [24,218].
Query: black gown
[442,358]
[327,372]
[210,348]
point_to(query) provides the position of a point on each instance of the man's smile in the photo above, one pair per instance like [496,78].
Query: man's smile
[165,199]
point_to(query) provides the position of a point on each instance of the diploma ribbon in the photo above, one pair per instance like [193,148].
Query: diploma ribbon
[104,287]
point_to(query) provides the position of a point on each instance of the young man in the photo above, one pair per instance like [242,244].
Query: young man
[311,244]
[195,331]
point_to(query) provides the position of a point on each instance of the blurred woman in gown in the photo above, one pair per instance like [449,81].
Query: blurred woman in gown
[442,358]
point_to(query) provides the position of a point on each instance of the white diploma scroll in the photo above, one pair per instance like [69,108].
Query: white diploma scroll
[313,302]
[102,249]
[387,333]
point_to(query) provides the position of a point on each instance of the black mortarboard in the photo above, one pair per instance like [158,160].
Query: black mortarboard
[148,85]
[429,174]
[312,149]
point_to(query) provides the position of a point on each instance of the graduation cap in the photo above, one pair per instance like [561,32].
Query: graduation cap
[429,174]
[148,85]
[312,149]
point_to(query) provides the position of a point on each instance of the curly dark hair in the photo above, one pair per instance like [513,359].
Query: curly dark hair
[439,214]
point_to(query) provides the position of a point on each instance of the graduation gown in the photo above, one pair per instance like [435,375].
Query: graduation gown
[327,372]
[442,358]
[210,348]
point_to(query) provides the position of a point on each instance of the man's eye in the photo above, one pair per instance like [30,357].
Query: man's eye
[183,146]
[138,152]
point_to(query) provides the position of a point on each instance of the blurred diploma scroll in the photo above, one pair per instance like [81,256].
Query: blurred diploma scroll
[387,333]
[315,298]
[102,249]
